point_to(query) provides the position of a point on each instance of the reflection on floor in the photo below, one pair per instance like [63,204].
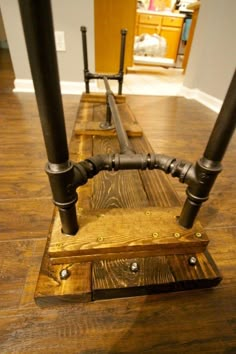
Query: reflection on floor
[162,81]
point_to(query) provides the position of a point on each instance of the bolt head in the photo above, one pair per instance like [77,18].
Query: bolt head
[177,235]
[64,274]
[192,261]
[155,234]
[134,267]
[198,234]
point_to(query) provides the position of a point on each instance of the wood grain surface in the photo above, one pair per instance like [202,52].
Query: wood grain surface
[116,230]
[115,278]
[199,321]
[100,97]
[92,125]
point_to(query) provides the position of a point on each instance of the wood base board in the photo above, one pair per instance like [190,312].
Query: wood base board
[112,233]
[107,279]
[97,107]
[125,217]
[100,97]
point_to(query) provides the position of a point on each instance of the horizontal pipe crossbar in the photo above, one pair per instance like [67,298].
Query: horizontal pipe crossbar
[125,147]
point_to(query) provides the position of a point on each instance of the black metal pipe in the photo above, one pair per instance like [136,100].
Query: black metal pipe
[89,76]
[115,162]
[101,76]
[83,30]
[39,36]
[201,179]
[122,59]
[107,124]
[224,126]
[125,146]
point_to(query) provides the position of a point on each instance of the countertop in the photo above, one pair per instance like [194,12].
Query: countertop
[161,13]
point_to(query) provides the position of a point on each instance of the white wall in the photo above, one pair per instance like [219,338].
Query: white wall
[212,59]
[68,16]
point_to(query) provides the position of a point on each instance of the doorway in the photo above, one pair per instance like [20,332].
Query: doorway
[6,67]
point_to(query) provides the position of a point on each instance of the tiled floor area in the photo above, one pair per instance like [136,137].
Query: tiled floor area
[165,81]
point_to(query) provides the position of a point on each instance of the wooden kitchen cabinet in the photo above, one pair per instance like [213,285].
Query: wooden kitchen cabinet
[167,26]
[110,16]
[172,36]
[149,24]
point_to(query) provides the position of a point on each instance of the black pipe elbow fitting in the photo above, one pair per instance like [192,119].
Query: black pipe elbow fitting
[183,170]
[200,179]
[60,178]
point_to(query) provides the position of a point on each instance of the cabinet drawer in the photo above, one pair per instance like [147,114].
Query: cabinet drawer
[150,19]
[172,21]
[142,28]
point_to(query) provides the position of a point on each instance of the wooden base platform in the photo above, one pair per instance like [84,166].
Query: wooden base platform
[129,242]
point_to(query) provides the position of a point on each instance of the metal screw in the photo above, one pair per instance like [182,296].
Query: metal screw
[100,239]
[192,261]
[198,234]
[64,274]
[177,235]
[134,267]
[148,212]
[155,234]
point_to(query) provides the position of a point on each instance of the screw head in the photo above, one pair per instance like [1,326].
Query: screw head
[177,235]
[134,267]
[155,234]
[100,239]
[198,234]
[64,274]
[192,261]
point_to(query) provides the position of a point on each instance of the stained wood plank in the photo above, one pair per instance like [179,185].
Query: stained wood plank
[100,97]
[156,231]
[52,290]
[121,189]
[81,147]
[156,184]
[114,278]
[117,274]
[94,128]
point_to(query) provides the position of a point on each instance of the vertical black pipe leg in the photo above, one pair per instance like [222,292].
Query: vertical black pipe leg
[68,220]
[83,30]
[202,177]
[107,124]
[39,36]
[108,113]
[122,60]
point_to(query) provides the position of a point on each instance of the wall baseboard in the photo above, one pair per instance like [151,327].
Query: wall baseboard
[67,87]
[77,88]
[207,100]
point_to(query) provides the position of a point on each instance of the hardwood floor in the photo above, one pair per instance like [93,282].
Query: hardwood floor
[188,322]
